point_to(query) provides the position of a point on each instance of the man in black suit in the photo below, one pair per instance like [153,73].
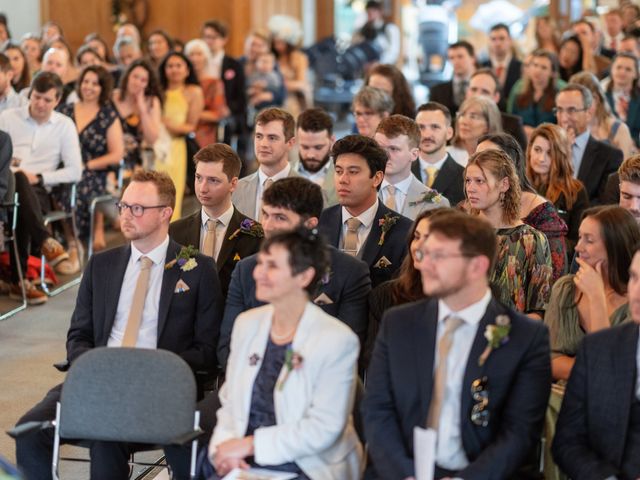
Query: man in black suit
[598,429]
[435,167]
[506,67]
[361,225]
[462,57]
[432,366]
[181,313]
[218,230]
[593,160]
[287,204]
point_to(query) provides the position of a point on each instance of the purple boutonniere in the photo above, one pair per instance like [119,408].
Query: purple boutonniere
[386,223]
[254,359]
[248,227]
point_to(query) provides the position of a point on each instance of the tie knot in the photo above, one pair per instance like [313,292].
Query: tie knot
[145,263]
[211,224]
[268,182]
[391,189]
[452,322]
[353,224]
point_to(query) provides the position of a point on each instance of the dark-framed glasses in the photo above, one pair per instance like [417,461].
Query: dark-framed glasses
[569,111]
[136,210]
[436,256]
[480,394]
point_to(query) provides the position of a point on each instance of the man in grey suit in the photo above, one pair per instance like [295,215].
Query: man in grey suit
[401,191]
[273,139]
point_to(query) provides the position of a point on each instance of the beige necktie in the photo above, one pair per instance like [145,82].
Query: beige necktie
[210,238]
[351,238]
[432,173]
[130,337]
[391,197]
[440,378]
[267,183]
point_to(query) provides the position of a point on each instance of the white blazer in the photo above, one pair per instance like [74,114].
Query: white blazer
[314,425]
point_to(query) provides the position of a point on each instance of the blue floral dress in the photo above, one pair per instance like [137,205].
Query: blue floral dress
[93,144]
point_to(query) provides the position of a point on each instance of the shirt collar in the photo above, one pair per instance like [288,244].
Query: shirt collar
[424,164]
[582,139]
[24,113]
[471,315]
[224,219]
[504,63]
[284,173]
[365,217]
[157,255]
[403,185]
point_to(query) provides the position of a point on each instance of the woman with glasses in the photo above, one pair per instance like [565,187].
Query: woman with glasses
[521,276]
[535,102]
[477,116]
[623,94]
[370,105]
[291,377]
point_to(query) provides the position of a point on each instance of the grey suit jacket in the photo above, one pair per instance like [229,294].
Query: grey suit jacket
[415,202]
[245,195]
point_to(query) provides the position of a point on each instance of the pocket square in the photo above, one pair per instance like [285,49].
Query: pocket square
[181,287]
[383,262]
[323,299]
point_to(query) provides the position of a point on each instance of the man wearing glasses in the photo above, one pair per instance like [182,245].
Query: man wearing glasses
[593,160]
[460,363]
[139,295]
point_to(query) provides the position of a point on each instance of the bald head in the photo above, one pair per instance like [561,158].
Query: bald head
[55,60]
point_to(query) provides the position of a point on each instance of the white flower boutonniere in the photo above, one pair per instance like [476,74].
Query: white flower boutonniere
[185,259]
[430,196]
[497,335]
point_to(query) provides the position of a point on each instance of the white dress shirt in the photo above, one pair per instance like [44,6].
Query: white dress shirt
[41,147]
[262,177]
[366,218]
[215,64]
[316,177]
[402,189]
[148,334]
[221,229]
[12,100]
[449,449]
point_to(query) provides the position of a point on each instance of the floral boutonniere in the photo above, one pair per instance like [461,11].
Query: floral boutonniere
[386,223]
[430,196]
[292,361]
[248,227]
[254,359]
[185,259]
[496,335]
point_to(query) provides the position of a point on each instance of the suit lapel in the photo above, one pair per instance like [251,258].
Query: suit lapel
[227,245]
[371,248]
[169,280]
[586,163]
[425,348]
[113,288]
[194,229]
[415,169]
[444,177]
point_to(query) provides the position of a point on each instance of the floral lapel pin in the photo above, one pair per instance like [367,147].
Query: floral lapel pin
[248,227]
[386,223]
[254,360]
[497,335]
[430,196]
[185,259]
[292,361]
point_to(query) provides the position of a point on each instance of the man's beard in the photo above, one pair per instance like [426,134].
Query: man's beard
[315,167]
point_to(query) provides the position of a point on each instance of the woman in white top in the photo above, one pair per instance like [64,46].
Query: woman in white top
[291,377]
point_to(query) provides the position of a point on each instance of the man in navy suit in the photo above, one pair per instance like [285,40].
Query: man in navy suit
[181,313]
[287,204]
[432,366]
[361,225]
[598,429]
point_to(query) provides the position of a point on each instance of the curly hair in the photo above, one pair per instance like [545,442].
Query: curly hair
[401,93]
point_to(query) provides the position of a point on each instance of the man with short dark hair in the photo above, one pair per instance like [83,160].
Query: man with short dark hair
[460,363]
[502,61]
[451,94]
[361,225]
[218,229]
[287,204]
[273,139]
[623,187]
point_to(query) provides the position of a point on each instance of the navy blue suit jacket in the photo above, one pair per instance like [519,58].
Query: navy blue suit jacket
[400,382]
[393,249]
[594,419]
[188,322]
[344,296]
[598,162]
[449,181]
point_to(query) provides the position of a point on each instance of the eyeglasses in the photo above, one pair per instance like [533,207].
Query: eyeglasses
[365,113]
[471,116]
[435,257]
[136,210]
[479,413]
[568,111]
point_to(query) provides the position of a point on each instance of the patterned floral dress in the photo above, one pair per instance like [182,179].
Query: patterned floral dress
[521,277]
[545,219]
[93,144]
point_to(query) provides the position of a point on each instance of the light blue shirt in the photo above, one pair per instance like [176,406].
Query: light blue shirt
[577,151]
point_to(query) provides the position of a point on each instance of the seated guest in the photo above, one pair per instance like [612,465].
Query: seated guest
[19,66]
[32,48]
[521,276]
[58,60]
[400,190]
[361,225]
[86,56]
[370,105]
[290,203]
[492,432]
[593,60]
[159,44]
[314,134]
[295,414]
[126,50]
[112,285]
[547,34]
[390,79]
[502,60]
[593,160]
[623,93]
[451,94]
[570,57]
[536,100]
[477,116]
[8,96]
[605,126]
[435,167]
[597,431]
[627,186]
[596,296]
[551,173]
[218,229]
[535,210]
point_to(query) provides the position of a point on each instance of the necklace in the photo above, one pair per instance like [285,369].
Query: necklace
[285,336]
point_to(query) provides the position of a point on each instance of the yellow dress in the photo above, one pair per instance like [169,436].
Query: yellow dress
[176,108]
